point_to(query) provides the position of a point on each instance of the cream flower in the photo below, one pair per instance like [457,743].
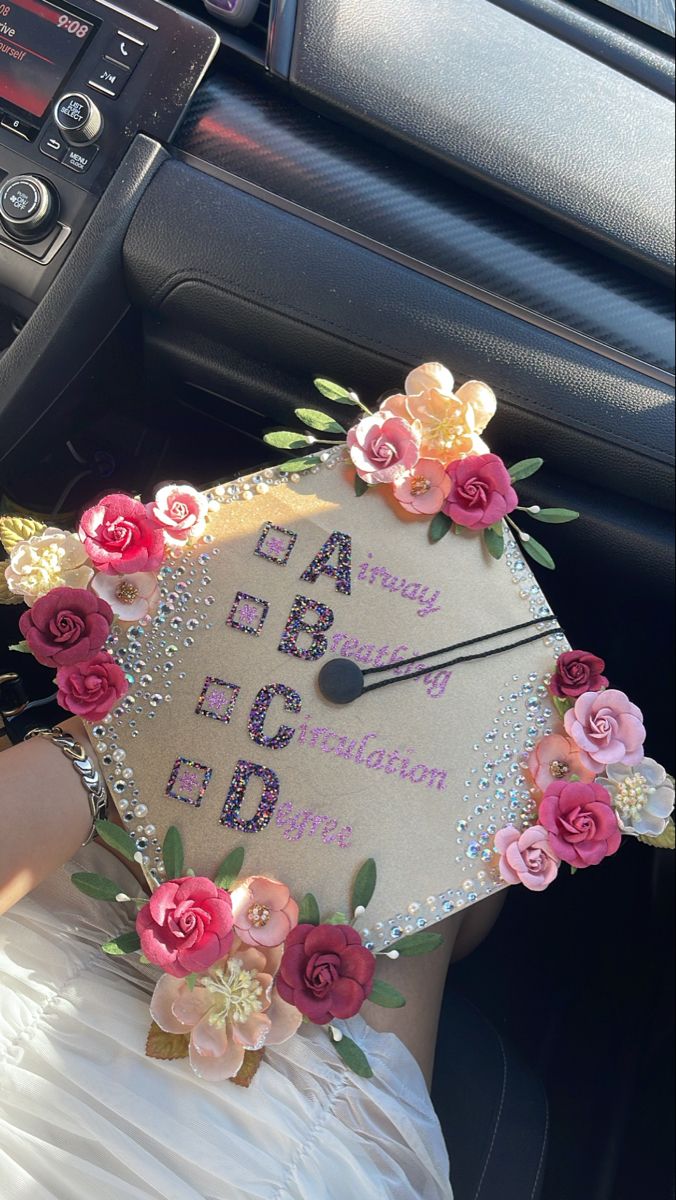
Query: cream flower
[642,796]
[451,421]
[53,558]
[131,597]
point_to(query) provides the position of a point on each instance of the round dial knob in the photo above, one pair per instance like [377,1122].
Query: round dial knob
[78,118]
[29,207]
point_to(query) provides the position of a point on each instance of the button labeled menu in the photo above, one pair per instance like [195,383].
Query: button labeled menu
[80,159]
[109,78]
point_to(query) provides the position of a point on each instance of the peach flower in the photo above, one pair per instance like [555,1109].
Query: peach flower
[424,490]
[607,727]
[231,1008]
[557,757]
[264,911]
[526,857]
[451,422]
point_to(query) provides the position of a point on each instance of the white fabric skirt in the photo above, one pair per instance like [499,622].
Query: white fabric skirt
[84,1115]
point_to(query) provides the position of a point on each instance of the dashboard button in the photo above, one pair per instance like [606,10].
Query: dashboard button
[80,159]
[29,207]
[20,128]
[124,50]
[52,144]
[109,78]
[78,118]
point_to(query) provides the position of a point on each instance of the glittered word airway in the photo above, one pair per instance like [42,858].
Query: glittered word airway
[407,589]
[370,752]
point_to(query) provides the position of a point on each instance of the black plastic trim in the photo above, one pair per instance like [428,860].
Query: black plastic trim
[281,35]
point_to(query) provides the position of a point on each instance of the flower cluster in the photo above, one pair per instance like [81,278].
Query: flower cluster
[77,584]
[243,965]
[591,781]
[425,445]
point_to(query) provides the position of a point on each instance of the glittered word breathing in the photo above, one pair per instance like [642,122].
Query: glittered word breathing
[303,822]
[363,753]
[372,655]
[414,591]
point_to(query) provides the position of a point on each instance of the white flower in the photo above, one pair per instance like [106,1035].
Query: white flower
[131,597]
[180,511]
[642,796]
[53,558]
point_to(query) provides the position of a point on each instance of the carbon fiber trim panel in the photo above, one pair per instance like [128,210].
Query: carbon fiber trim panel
[270,140]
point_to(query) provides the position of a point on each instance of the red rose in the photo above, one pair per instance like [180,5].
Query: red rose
[581,821]
[67,626]
[186,925]
[325,972]
[90,689]
[481,491]
[119,536]
[578,671]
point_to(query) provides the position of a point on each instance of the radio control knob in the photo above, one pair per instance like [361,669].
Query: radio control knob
[78,118]
[29,207]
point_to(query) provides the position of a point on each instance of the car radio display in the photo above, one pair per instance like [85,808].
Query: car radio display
[39,44]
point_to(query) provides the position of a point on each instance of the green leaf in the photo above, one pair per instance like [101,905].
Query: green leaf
[118,839]
[338,919]
[562,704]
[288,440]
[297,465]
[20,648]
[574,870]
[172,853]
[353,1057]
[230,869]
[95,885]
[663,841]
[525,468]
[190,980]
[554,516]
[494,538]
[364,885]
[536,551]
[124,943]
[385,995]
[360,486]
[308,910]
[439,527]
[419,943]
[333,391]
[318,420]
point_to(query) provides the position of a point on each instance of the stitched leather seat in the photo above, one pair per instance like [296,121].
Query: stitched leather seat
[492,1108]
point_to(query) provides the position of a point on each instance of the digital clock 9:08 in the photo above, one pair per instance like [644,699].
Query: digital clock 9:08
[71,25]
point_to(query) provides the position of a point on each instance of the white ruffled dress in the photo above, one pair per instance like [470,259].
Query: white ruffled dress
[84,1115]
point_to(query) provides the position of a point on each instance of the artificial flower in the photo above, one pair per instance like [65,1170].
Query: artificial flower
[231,1008]
[526,857]
[383,448]
[66,626]
[450,421]
[120,537]
[91,689]
[51,559]
[481,491]
[607,727]
[583,828]
[642,796]
[578,671]
[326,972]
[424,490]
[131,597]
[264,911]
[186,925]
[180,511]
[556,756]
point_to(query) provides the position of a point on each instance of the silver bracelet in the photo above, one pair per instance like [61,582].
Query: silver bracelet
[92,782]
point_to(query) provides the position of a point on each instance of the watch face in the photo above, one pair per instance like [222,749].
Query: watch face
[241,726]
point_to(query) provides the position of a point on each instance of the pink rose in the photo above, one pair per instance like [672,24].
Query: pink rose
[423,491]
[581,821]
[186,925]
[527,857]
[180,511]
[91,689]
[578,671]
[383,447]
[67,626]
[326,972]
[481,491]
[557,757]
[120,537]
[264,911]
[607,727]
